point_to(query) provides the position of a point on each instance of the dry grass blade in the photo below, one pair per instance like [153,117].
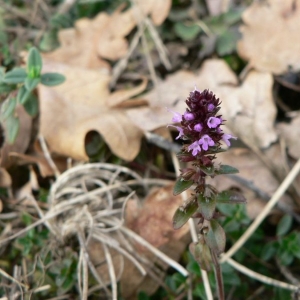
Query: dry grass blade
[260,277]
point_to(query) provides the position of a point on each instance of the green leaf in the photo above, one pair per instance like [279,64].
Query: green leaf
[186,32]
[226,42]
[268,251]
[231,197]
[207,206]
[215,237]
[49,40]
[225,169]
[12,128]
[5,88]
[202,255]
[31,83]
[34,63]
[183,213]
[51,79]
[32,105]
[2,73]
[284,225]
[23,95]
[208,170]
[8,108]
[182,185]
[16,75]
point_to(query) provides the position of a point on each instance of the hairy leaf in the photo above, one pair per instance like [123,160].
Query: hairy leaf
[215,238]
[183,213]
[182,185]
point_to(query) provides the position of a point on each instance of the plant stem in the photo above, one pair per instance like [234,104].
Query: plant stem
[219,276]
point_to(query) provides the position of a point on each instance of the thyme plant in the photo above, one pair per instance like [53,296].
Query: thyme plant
[200,129]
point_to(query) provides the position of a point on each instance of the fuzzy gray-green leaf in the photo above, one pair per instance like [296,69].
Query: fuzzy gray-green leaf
[182,185]
[183,213]
[215,237]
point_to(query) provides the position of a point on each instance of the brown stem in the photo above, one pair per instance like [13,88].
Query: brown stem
[218,275]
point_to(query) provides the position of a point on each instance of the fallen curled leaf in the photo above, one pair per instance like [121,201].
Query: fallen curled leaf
[5,178]
[153,222]
[249,108]
[271,40]
[290,132]
[93,40]
[69,111]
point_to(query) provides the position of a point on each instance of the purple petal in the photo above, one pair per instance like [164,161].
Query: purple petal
[206,141]
[210,107]
[188,116]
[177,117]
[198,127]
[180,130]
[226,138]
[195,147]
[213,122]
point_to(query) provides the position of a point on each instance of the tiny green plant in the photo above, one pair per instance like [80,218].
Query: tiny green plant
[200,128]
[17,86]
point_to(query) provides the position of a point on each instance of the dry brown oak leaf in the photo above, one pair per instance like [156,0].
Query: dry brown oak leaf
[271,39]
[290,133]
[93,40]
[82,104]
[248,108]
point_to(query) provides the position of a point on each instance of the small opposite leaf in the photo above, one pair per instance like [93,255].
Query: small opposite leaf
[225,169]
[208,170]
[230,197]
[23,95]
[207,206]
[5,88]
[32,105]
[52,79]
[12,128]
[34,63]
[187,32]
[182,185]
[216,238]
[16,75]
[202,255]
[8,108]
[31,83]
[183,213]
[284,225]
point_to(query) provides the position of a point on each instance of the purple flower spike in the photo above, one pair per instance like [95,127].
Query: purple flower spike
[226,138]
[188,116]
[195,147]
[180,130]
[198,127]
[206,141]
[177,117]
[210,107]
[213,122]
